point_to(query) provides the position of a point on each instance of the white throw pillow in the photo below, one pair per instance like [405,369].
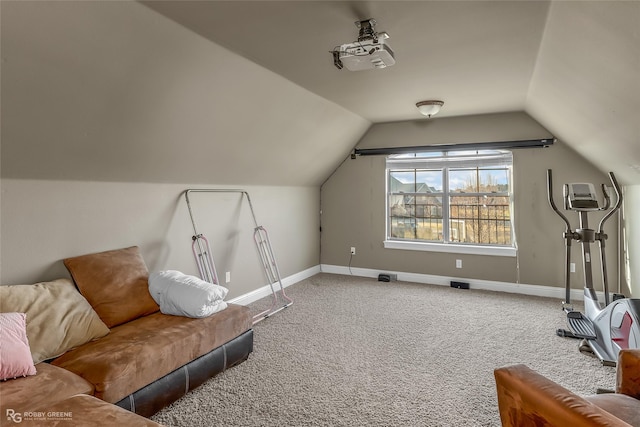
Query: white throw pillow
[182,295]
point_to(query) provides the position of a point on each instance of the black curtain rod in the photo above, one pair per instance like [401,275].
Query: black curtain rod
[528,143]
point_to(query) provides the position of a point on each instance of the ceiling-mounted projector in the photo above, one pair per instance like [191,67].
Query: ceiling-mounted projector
[368,52]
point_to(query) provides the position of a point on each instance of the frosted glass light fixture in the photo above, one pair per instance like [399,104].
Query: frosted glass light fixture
[429,108]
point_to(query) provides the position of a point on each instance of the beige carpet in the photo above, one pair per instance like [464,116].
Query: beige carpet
[356,352]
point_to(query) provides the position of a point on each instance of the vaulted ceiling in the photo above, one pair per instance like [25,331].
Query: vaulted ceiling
[245,92]
[572,65]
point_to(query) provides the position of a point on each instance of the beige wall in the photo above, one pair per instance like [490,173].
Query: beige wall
[113,91]
[353,204]
[632,239]
[110,111]
[46,221]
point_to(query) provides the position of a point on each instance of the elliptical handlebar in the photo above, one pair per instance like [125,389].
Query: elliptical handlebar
[552,203]
[568,237]
[607,199]
[616,188]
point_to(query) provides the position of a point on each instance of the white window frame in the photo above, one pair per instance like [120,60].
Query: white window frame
[444,162]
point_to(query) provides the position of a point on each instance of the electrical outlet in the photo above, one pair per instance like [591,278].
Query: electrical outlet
[227,277]
[353,250]
[458,263]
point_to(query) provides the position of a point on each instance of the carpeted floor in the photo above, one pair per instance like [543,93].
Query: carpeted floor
[356,352]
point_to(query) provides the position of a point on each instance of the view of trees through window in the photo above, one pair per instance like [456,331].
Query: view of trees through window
[473,201]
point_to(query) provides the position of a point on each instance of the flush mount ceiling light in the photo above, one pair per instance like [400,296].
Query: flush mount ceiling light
[429,108]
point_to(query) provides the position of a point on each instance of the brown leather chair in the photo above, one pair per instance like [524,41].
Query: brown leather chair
[526,398]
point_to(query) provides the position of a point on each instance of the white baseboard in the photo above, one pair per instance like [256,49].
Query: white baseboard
[264,291]
[488,285]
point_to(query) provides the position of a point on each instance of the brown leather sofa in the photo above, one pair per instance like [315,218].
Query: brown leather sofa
[526,398]
[56,397]
[141,367]
[148,363]
[145,361]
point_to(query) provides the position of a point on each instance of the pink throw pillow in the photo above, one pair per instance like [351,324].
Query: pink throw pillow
[15,355]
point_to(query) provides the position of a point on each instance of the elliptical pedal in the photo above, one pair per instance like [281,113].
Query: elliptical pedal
[581,326]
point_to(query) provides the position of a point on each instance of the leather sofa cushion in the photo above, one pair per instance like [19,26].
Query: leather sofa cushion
[622,406]
[139,352]
[50,384]
[628,373]
[526,398]
[115,283]
[83,410]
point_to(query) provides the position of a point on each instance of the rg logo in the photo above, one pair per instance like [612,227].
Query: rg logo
[14,416]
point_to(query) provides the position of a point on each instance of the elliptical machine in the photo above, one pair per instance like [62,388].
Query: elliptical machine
[607,329]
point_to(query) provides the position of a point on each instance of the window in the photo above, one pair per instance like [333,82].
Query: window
[455,198]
